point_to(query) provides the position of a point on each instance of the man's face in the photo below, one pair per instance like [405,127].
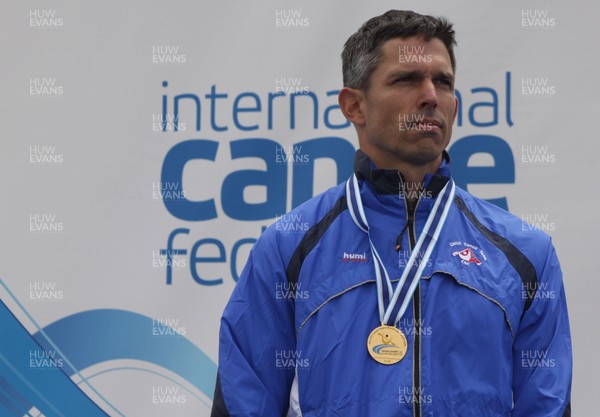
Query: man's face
[410,105]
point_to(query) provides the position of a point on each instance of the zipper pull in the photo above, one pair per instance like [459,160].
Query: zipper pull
[399,239]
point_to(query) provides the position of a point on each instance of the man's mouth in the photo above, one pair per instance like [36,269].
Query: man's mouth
[431,123]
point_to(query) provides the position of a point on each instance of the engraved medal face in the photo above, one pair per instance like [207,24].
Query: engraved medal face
[387,345]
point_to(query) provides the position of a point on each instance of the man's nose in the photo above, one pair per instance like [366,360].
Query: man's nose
[428,94]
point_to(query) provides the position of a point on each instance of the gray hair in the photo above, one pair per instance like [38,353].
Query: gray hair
[362,50]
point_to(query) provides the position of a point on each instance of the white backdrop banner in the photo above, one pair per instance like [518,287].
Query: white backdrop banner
[146,146]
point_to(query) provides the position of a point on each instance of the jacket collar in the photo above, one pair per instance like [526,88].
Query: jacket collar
[390,181]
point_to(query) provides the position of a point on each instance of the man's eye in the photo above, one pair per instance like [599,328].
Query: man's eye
[444,82]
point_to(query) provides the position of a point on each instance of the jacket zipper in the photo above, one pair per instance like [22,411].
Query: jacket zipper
[410,225]
[417,334]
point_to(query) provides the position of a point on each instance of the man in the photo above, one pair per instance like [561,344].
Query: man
[406,296]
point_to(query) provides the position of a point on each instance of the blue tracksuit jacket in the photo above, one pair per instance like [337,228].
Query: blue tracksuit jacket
[487,328]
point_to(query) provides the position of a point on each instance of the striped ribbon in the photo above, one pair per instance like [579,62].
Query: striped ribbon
[393,303]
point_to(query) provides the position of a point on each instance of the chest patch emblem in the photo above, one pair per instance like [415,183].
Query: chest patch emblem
[468,254]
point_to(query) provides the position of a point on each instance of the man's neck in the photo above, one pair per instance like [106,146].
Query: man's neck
[412,187]
[413,174]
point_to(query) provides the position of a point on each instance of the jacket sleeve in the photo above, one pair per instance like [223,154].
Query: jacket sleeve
[257,331]
[542,367]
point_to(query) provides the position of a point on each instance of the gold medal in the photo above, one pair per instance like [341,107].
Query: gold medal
[387,344]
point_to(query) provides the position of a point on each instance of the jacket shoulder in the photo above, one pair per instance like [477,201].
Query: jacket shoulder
[492,221]
[304,222]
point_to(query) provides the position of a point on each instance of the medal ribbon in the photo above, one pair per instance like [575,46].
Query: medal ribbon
[393,303]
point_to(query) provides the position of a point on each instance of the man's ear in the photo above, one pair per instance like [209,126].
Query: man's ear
[350,101]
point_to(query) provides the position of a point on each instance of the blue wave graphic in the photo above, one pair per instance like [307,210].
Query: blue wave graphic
[41,383]
[76,342]
[91,337]
[379,348]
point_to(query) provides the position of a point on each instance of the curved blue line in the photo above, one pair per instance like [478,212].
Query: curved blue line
[94,336]
[378,348]
[134,368]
